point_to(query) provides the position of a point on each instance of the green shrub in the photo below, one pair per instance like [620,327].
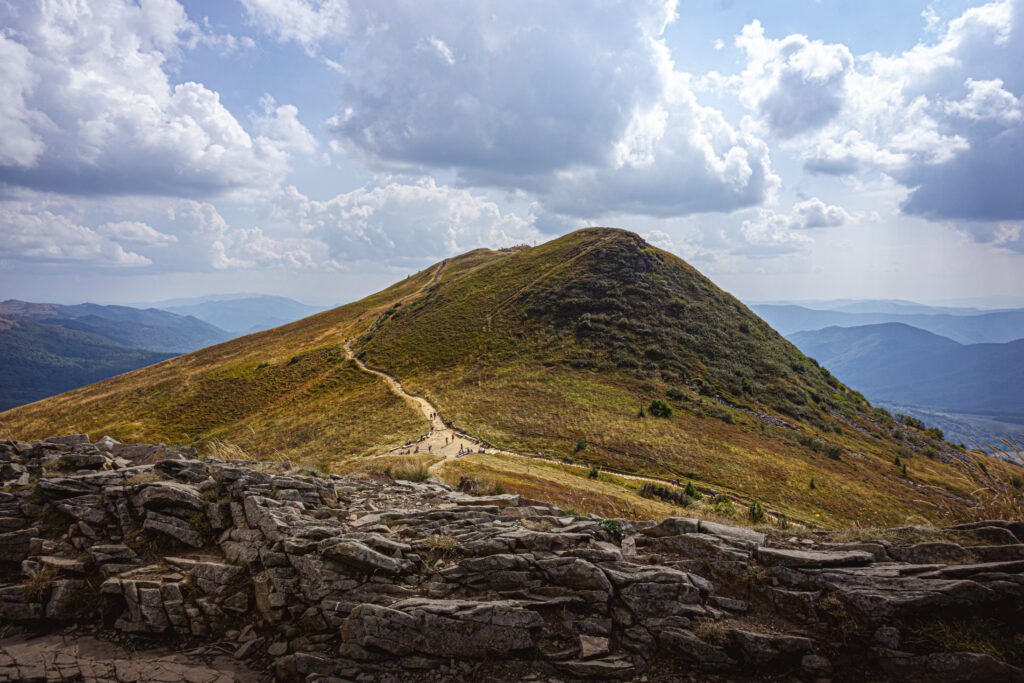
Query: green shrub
[675,394]
[613,529]
[812,485]
[692,491]
[659,408]
[594,473]
[911,421]
[756,512]
[581,445]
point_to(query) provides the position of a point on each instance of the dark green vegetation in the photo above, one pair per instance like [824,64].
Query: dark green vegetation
[39,360]
[546,349]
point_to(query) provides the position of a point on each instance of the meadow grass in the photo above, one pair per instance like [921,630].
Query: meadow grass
[541,349]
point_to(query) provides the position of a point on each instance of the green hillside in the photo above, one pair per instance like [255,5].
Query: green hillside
[551,349]
[39,360]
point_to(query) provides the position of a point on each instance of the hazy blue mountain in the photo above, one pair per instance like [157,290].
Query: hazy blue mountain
[985,327]
[901,364]
[898,307]
[249,314]
[149,329]
[39,360]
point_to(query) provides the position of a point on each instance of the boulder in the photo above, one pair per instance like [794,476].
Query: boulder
[169,498]
[443,628]
[173,527]
[355,555]
[781,557]
[684,643]
[593,646]
[929,553]
[766,649]
[673,526]
[734,534]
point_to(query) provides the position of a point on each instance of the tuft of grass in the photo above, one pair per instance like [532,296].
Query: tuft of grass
[38,585]
[967,634]
[398,467]
[143,478]
[711,632]
[441,547]
[225,450]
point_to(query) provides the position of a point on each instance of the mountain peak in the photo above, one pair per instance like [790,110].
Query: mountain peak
[594,346]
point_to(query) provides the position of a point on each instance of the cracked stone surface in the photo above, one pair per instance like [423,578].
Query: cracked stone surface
[137,562]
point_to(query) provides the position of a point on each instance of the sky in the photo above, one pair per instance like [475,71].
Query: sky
[323,149]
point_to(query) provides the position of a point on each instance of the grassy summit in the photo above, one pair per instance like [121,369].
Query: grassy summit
[554,348]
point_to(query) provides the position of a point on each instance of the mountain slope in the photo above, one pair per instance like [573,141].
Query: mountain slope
[149,329]
[991,327]
[554,349]
[902,364]
[39,360]
[249,314]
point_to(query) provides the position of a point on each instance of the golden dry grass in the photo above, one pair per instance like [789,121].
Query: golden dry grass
[467,344]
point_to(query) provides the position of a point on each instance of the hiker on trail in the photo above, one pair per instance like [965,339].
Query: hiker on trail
[430,449]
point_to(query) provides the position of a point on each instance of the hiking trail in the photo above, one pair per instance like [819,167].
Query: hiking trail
[445,441]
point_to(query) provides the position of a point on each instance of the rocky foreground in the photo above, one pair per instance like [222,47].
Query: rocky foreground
[134,562]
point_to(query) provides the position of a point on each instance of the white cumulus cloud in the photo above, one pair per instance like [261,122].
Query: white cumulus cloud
[943,117]
[87,106]
[402,223]
[582,108]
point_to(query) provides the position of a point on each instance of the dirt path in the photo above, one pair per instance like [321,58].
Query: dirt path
[442,440]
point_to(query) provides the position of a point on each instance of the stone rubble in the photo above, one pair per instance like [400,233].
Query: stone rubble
[249,571]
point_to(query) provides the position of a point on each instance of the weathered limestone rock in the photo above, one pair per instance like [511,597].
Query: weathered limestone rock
[359,557]
[690,647]
[763,649]
[444,628]
[173,527]
[673,526]
[379,580]
[929,553]
[169,498]
[813,559]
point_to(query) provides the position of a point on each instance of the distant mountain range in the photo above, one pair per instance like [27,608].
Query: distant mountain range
[974,328]
[39,360]
[51,348]
[907,366]
[247,314]
[149,329]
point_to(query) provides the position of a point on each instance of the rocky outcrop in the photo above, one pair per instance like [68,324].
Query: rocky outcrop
[253,572]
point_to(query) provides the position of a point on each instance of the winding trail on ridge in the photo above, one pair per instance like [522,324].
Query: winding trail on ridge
[444,441]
